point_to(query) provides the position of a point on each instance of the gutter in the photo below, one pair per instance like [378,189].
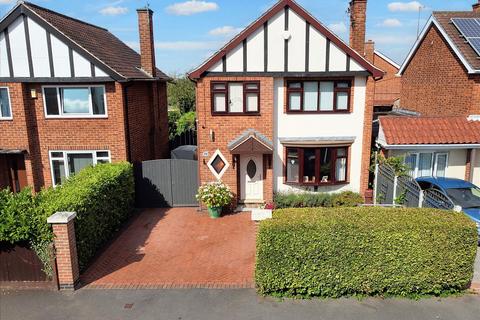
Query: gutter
[429,146]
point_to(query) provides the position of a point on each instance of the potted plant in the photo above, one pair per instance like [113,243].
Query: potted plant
[215,195]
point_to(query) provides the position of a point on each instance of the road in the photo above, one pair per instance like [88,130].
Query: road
[199,304]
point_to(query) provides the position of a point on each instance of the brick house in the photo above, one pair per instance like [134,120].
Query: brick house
[286,106]
[72,95]
[441,84]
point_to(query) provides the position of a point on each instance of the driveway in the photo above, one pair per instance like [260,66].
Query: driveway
[178,248]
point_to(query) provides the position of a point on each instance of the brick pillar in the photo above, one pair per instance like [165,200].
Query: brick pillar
[65,249]
[370,50]
[476,7]
[358,19]
[147,46]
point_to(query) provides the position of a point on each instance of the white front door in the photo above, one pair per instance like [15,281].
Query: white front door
[251,177]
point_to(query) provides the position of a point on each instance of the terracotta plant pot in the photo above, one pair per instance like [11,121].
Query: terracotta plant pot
[215,212]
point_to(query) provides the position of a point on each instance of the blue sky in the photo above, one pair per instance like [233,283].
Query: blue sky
[187,32]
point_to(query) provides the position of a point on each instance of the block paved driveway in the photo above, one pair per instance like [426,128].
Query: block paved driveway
[178,248]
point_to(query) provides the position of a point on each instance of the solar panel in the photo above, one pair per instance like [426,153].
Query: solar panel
[470,30]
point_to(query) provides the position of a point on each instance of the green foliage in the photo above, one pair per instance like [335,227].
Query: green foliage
[173,117]
[181,95]
[215,195]
[312,200]
[397,164]
[102,196]
[365,251]
[186,122]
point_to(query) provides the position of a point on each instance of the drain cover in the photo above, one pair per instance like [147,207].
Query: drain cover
[128,306]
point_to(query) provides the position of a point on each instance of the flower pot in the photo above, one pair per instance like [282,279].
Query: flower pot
[215,212]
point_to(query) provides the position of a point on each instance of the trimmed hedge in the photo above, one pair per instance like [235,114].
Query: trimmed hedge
[312,200]
[365,251]
[103,198]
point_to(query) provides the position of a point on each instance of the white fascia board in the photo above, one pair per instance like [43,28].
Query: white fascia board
[430,22]
[384,57]
[429,146]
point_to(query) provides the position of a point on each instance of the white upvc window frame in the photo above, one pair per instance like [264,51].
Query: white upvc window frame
[9,105]
[64,158]
[62,115]
[435,154]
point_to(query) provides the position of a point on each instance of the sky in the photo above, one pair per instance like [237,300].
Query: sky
[188,32]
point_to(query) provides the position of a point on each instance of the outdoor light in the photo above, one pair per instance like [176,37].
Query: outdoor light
[33,93]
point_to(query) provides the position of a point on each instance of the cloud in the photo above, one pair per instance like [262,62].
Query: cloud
[391,23]
[191,7]
[113,11]
[224,31]
[188,45]
[338,28]
[405,6]
[7,1]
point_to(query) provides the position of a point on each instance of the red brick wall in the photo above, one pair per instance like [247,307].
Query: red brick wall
[387,90]
[148,119]
[367,135]
[358,17]
[436,83]
[227,128]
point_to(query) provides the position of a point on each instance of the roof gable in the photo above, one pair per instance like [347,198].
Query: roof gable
[286,39]
[442,22]
[52,45]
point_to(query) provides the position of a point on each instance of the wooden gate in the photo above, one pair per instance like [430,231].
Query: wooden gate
[166,183]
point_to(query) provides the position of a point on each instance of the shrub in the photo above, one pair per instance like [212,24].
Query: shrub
[102,196]
[312,200]
[215,195]
[365,251]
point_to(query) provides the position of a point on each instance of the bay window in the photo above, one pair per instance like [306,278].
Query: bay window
[5,106]
[316,166]
[75,101]
[235,97]
[427,164]
[318,96]
[68,163]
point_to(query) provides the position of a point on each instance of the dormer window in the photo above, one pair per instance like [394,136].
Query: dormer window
[75,102]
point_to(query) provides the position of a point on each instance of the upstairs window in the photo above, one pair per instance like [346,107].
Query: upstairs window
[5,107]
[75,101]
[318,96]
[316,166]
[236,97]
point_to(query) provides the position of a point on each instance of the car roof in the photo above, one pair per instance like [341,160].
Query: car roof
[447,183]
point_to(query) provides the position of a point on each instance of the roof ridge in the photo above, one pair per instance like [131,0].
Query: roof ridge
[30,4]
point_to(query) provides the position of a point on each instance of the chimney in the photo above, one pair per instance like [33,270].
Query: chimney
[358,18]
[147,45]
[369,50]
[476,7]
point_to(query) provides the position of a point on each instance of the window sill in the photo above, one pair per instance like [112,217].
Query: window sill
[298,184]
[239,114]
[6,119]
[318,112]
[76,117]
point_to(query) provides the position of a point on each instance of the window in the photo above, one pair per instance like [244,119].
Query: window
[316,166]
[5,107]
[68,163]
[75,101]
[318,96]
[427,164]
[236,97]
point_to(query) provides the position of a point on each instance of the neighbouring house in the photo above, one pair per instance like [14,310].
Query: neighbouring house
[73,95]
[441,85]
[287,106]
[434,146]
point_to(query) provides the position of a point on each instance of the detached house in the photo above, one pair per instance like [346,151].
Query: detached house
[441,83]
[73,95]
[287,106]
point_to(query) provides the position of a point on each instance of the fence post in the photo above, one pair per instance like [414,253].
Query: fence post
[375,181]
[395,184]
[420,199]
[65,249]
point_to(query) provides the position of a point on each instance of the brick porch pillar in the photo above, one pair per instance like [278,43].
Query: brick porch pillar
[65,249]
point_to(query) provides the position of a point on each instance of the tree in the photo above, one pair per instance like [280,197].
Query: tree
[181,94]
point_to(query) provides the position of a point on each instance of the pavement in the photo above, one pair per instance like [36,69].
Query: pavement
[222,304]
[476,274]
[178,248]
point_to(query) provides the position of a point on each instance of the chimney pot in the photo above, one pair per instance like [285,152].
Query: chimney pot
[358,18]
[147,43]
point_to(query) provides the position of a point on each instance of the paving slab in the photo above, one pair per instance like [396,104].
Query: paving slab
[178,248]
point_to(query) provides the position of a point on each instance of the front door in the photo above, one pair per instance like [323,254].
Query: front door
[16,172]
[251,177]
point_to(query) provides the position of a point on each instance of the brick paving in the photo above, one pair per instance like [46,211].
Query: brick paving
[178,248]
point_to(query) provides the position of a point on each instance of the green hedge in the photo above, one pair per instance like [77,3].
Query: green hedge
[312,200]
[103,198]
[365,251]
